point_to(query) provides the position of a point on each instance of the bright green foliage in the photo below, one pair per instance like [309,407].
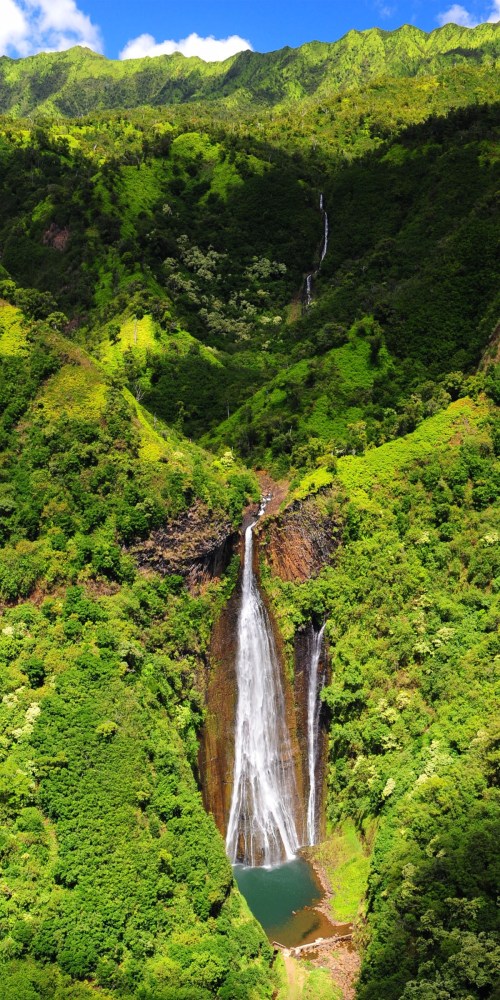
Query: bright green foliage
[151,293]
[112,871]
[65,82]
[412,608]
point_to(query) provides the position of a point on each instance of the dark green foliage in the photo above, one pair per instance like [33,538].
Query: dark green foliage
[123,878]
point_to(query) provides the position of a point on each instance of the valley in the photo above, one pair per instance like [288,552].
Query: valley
[249,545]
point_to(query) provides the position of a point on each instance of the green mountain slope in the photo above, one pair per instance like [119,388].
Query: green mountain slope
[407,295]
[412,611]
[79,81]
[153,337]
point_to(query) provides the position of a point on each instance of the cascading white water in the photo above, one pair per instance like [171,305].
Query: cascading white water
[309,278]
[313,710]
[324,249]
[261,828]
[325,236]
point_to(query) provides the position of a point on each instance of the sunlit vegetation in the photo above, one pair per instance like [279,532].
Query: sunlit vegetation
[411,602]
[155,348]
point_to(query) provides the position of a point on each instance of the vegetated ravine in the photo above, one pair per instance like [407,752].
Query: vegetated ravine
[292,268]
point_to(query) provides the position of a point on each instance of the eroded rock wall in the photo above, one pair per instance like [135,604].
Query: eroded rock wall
[195,546]
[296,544]
[216,754]
[302,539]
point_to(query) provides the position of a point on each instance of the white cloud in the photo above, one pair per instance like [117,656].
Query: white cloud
[459,15]
[385,10]
[209,49]
[13,27]
[29,26]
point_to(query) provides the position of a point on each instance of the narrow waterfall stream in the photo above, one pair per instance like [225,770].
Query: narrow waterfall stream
[325,235]
[324,249]
[313,712]
[262,825]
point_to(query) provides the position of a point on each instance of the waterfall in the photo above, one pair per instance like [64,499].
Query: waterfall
[261,828]
[313,710]
[324,249]
[309,278]
[325,237]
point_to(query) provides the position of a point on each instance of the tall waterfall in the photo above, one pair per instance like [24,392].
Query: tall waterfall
[324,250]
[325,234]
[261,828]
[313,710]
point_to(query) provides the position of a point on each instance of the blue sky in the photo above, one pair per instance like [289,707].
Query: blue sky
[212,29]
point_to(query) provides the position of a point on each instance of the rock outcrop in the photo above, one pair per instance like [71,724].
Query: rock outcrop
[194,546]
[302,539]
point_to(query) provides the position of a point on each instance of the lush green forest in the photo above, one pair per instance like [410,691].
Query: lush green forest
[157,349]
[80,81]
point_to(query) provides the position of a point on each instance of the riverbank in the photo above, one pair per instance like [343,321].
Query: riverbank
[340,864]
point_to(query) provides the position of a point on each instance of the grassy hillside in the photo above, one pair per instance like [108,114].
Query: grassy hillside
[79,81]
[412,610]
[85,469]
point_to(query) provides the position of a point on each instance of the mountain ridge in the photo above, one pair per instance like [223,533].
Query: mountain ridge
[60,84]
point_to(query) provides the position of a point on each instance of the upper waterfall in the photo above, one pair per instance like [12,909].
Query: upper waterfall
[324,250]
[262,825]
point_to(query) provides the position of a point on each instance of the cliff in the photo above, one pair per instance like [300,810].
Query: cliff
[197,546]
[302,539]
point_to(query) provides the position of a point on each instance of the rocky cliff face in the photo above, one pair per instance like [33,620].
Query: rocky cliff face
[296,544]
[216,754]
[301,539]
[194,546]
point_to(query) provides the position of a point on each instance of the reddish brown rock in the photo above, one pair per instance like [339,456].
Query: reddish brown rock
[301,540]
[216,754]
[56,237]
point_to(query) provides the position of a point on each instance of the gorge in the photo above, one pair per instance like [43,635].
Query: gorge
[277,776]
[274,275]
